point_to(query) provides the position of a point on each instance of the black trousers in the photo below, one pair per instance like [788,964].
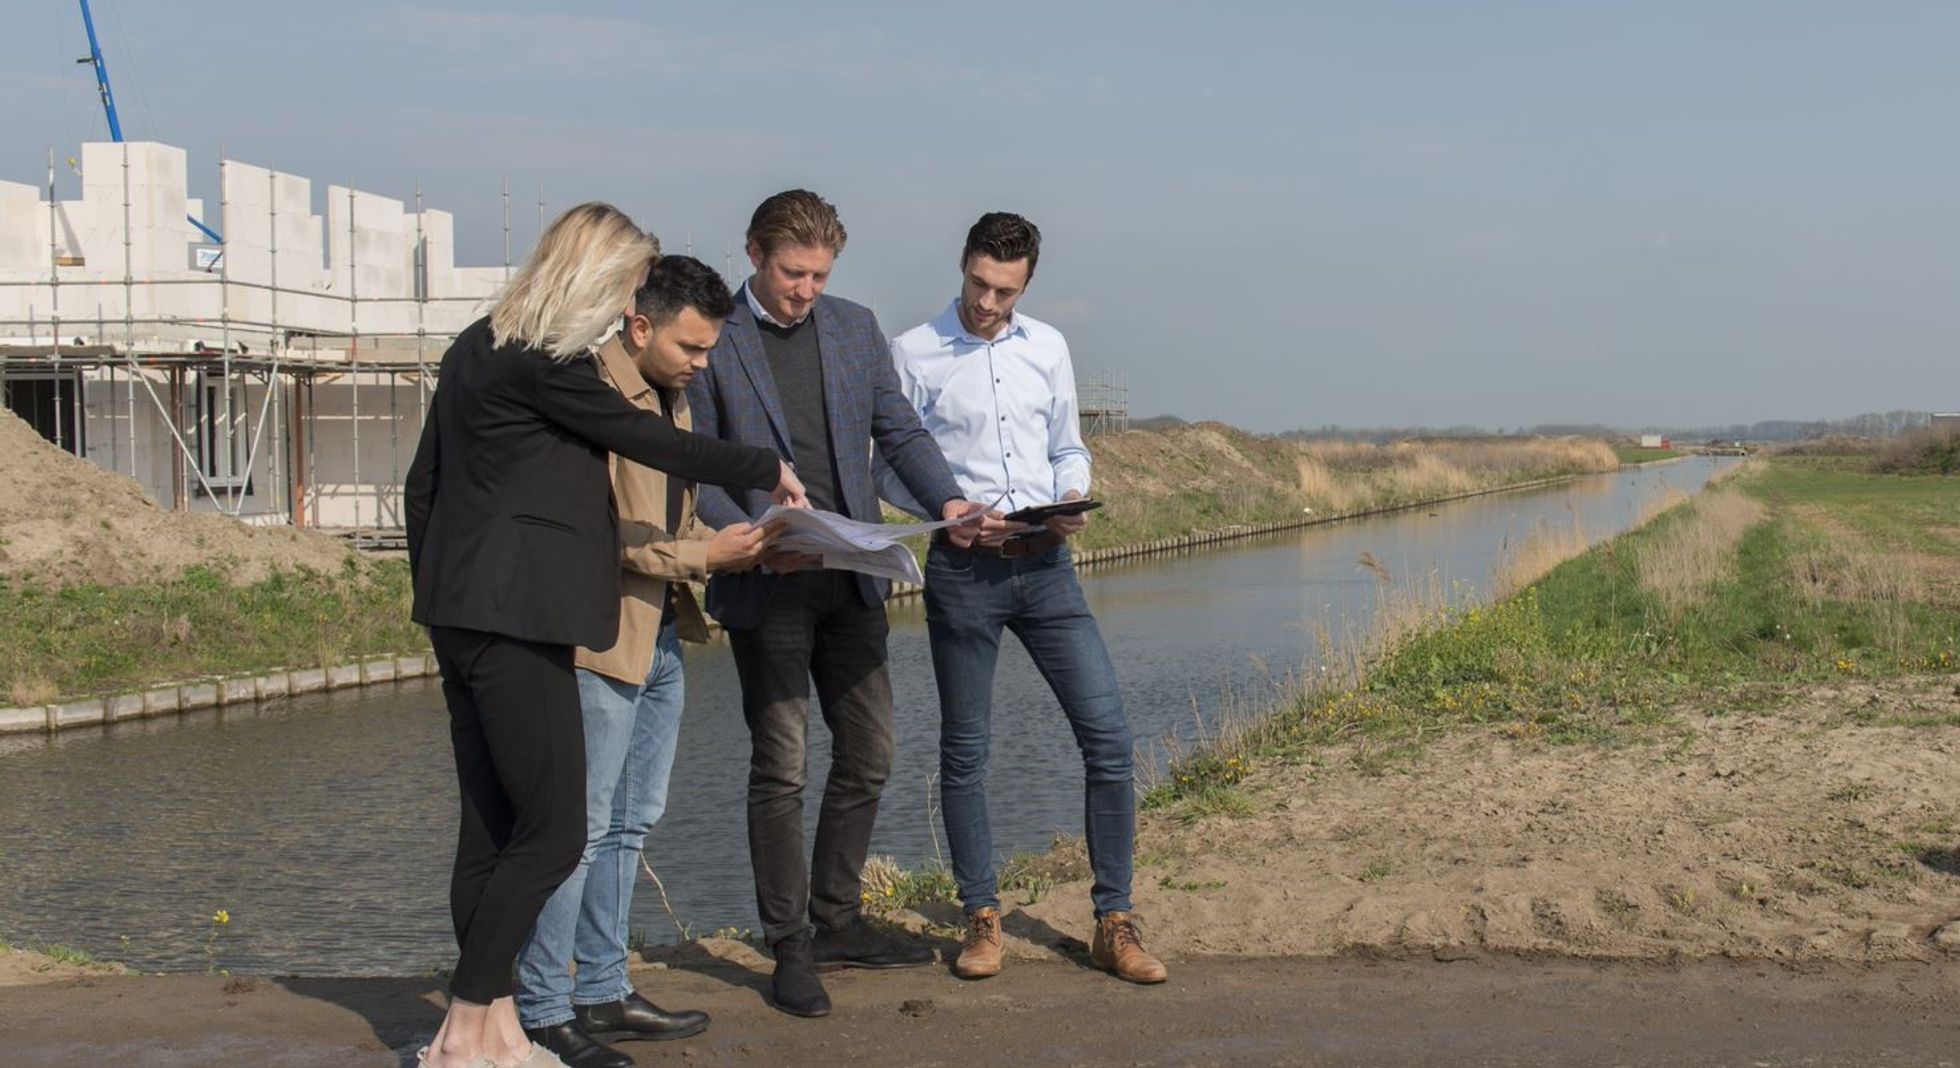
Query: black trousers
[520,761]
[816,626]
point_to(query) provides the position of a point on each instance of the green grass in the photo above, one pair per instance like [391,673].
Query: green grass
[57,953]
[1589,657]
[894,888]
[91,639]
[1634,454]
[1915,512]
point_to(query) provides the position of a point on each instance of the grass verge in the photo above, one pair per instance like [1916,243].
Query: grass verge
[89,639]
[1799,571]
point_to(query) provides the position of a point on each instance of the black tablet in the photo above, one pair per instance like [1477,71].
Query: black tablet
[1041,513]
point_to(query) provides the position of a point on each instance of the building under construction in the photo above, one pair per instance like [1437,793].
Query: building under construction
[280,377]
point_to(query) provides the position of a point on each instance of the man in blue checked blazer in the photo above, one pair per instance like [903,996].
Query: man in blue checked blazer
[812,377]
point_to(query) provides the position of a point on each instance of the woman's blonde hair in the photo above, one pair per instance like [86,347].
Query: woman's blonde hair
[577,282]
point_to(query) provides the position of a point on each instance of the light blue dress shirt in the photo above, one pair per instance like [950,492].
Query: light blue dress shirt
[1003,411]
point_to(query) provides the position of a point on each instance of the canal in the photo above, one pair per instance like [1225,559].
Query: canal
[323,826]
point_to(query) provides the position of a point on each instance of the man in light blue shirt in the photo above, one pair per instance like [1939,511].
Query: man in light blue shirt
[996,390]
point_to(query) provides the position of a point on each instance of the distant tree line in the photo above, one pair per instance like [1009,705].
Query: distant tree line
[1869,425]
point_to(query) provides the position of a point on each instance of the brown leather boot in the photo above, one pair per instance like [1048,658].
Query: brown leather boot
[1119,951]
[980,953]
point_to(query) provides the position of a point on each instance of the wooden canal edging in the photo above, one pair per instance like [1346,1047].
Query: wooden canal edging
[211,692]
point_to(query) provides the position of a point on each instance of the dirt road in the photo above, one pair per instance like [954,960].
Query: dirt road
[1492,1011]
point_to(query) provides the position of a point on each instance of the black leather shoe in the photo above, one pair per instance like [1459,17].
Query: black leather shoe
[795,988]
[636,1017]
[576,1048]
[860,945]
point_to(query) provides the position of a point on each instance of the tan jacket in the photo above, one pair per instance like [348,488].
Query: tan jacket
[651,558]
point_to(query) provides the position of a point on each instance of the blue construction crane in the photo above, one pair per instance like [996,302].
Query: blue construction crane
[109,102]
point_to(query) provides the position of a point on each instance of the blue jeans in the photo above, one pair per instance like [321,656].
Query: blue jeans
[970,598]
[630,732]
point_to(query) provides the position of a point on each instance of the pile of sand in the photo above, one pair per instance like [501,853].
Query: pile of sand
[66,522]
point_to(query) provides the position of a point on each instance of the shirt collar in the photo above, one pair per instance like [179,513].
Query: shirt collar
[762,314]
[621,371]
[956,327]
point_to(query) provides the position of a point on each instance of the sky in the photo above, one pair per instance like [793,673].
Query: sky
[1275,215]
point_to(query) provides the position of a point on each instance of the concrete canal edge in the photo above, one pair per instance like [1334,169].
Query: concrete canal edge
[194,694]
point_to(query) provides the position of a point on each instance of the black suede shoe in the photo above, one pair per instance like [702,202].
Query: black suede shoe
[860,945]
[636,1017]
[576,1048]
[795,988]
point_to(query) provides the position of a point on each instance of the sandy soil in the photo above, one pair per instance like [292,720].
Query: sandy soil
[23,967]
[1815,831]
[65,521]
[1502,1013]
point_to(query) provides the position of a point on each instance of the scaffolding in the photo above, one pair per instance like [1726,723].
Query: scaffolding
[258,393]
[238,422]
[1103,404]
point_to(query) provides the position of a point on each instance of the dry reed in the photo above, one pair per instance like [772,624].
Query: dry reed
[1350,476]
[1684,562]
[1534,556]
[1849,570]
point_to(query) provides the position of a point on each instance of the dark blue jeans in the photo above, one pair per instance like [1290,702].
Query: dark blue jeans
[970,598]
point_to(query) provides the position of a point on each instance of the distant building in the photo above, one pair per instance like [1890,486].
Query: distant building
[1655,441]
[1946,423]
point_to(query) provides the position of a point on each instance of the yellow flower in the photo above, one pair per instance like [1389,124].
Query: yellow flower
[221,917]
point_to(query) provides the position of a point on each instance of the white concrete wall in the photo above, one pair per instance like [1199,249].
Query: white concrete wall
[352,265]
[390,426]
[21,208]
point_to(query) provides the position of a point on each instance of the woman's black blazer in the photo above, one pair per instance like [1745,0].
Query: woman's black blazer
[511,524]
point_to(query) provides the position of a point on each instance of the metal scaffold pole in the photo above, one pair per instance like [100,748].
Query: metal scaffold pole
[225,441]
[354,347]
[54,301]
[278,499]
[421,309]
[115,436]
[313,446]
[129,314]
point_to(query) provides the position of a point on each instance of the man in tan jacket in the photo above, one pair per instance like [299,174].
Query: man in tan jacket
[630,695]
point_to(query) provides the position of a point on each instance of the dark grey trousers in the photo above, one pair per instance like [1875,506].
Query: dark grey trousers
[816,626]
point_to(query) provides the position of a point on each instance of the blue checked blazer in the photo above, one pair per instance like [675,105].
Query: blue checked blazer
[735,399]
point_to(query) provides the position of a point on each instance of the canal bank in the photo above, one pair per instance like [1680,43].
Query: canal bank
[1734,732]
[102,593]
[191,695]
[253,808]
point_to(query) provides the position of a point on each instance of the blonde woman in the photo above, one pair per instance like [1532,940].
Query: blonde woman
[514,553]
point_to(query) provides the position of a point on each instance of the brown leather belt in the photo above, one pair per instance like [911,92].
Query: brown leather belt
[1031,545]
